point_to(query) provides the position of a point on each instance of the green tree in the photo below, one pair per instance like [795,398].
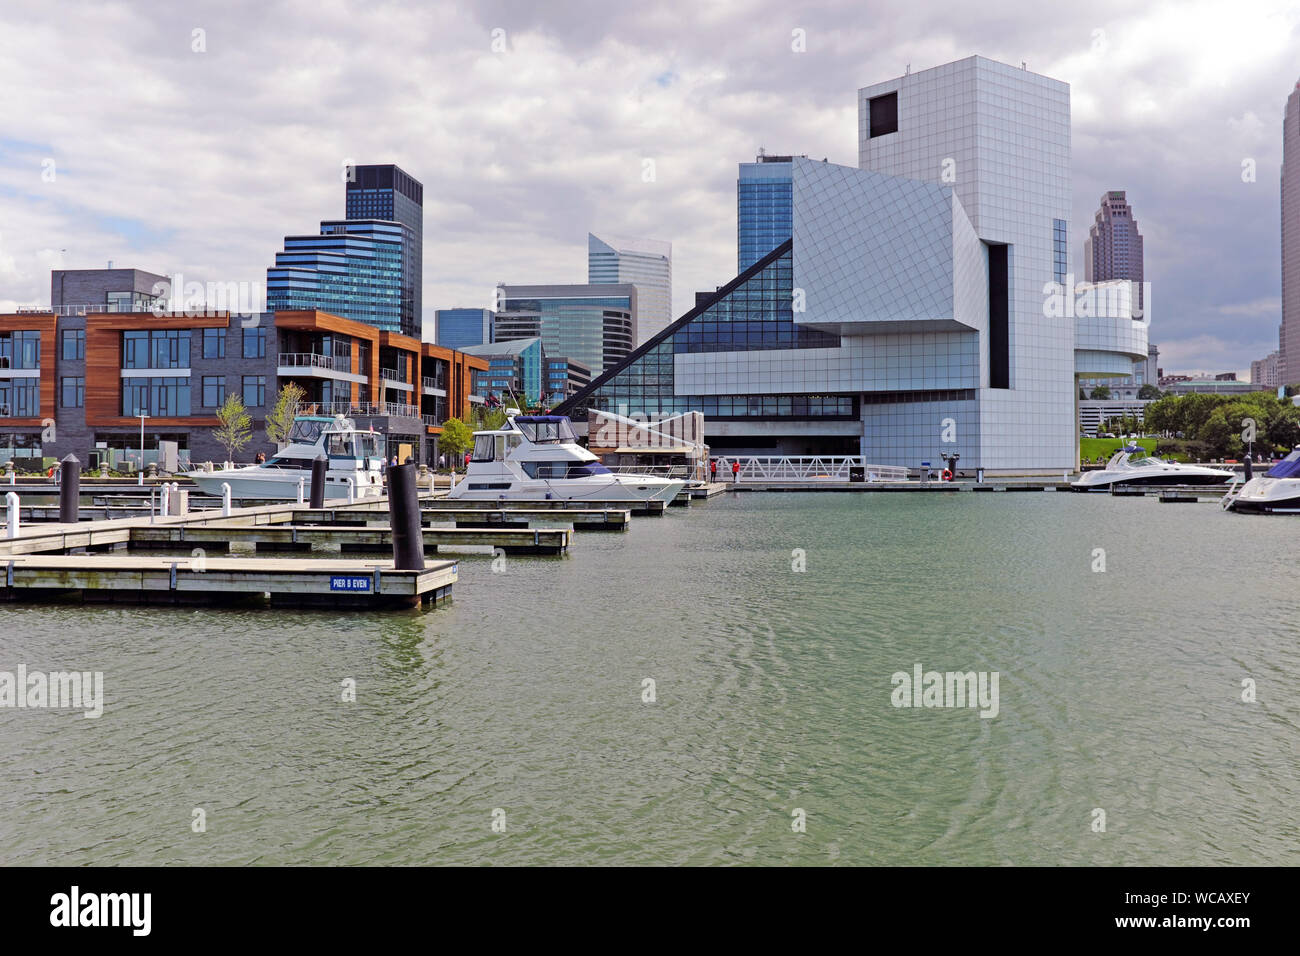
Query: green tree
[279,421]
[1100,394]
[235,426]
[456,438]
[1148,391]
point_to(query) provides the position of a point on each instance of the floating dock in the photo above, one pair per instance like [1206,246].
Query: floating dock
[218,537]
[204,580]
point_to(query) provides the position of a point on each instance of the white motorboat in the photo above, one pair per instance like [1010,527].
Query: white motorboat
[537,457]
[354,464]
[1277,491]
[1132,465]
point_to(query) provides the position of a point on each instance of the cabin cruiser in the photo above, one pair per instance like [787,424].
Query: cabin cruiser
[1126,469]
[1277,491]
[537,457]
[354,462]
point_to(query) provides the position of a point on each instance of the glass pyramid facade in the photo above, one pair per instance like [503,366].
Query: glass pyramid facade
[752,312]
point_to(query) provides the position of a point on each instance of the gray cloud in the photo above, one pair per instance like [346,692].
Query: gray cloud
[202,162]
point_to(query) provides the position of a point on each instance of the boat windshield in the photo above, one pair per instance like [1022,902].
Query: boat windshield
[1288,467]
[546,429]
[306,430]
[1146,461]
[369,444]
[563,469]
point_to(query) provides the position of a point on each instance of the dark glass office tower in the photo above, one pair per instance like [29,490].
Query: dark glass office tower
[386,192]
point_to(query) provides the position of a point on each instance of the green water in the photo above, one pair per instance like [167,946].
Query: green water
[1118,690]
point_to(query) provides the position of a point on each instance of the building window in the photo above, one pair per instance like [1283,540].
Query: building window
[164,397]
[882,115]
[162,348]
[20,350]
[20,398]
[1060,249]
[214,391]
[254,387]
[255,343]
[74,392]
[74,344]
[214,343]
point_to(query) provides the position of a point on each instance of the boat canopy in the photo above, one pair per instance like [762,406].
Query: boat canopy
[1288,467]
[542,429]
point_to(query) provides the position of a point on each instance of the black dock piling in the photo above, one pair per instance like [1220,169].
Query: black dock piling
[318,482]
[404,518]
[69,489]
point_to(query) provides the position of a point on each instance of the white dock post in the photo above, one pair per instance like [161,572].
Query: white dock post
[352,489]
[163,497]
[301,484]
[11,507]
[225,500]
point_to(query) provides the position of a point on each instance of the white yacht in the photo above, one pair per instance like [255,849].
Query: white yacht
[537,457]
[354,458]
[1277,491]
[1125,469]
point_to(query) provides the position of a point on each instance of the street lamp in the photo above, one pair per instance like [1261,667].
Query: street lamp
[142,416]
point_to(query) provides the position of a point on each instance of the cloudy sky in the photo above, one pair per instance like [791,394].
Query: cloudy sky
[127,135]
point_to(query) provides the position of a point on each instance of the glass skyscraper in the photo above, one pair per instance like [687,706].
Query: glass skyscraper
[647,264]
[458,328]
[593,324]
[353,269]
[764,208]
[388,192]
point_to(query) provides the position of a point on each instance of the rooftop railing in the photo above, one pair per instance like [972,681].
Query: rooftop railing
[374,409]
[314,360]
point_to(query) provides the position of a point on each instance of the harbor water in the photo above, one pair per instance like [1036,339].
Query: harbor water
[715,686]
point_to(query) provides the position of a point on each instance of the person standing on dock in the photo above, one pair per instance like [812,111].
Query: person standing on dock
[735,471]
[713,469]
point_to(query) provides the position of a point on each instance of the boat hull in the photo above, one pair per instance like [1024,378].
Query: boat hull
[625,488]
[263,487]
[1169,479]
[1267,496]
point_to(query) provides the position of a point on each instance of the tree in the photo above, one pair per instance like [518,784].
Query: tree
[456,438]
[235,426]
[1149,391]
[279,421]
[1100,394]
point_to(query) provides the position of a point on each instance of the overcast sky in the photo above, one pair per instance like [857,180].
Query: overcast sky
[175,160]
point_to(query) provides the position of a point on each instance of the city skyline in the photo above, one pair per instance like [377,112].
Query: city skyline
[1152,116]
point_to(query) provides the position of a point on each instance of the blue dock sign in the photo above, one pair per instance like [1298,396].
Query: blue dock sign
[348,582]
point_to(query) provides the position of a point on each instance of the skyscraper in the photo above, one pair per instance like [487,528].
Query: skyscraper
[764,207]
[458,328]
[388,192]
[1113,249]
[595,324]
[645,263]
[353,269]
[1288,363]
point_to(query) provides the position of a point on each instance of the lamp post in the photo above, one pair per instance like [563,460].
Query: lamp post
[142,416]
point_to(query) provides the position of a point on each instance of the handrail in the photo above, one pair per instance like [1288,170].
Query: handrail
[810,468]
[314,360]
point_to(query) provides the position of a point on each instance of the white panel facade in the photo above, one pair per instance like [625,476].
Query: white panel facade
[1001,137]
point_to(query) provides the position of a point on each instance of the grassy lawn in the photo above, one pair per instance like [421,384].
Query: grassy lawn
[1090,448]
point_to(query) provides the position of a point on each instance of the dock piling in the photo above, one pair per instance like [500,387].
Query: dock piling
[301,484]
[404,518]
[318,482]
[69,489]
[11,519]
[225,499]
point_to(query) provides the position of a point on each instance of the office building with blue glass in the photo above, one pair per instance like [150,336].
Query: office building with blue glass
[594,324]
[389,193]
[764,207]
[907,314]
[353,269]
[514,372]
[460,328]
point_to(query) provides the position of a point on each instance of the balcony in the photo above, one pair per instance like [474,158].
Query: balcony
[7,369]
[374,410]
[432,386]
[431,420]
[392,378]
[315,365]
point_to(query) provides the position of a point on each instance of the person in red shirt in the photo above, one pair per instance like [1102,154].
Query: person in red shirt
[713,469]
[735,471]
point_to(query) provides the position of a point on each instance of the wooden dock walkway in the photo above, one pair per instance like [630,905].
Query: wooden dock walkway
[204,580]
[218,537]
